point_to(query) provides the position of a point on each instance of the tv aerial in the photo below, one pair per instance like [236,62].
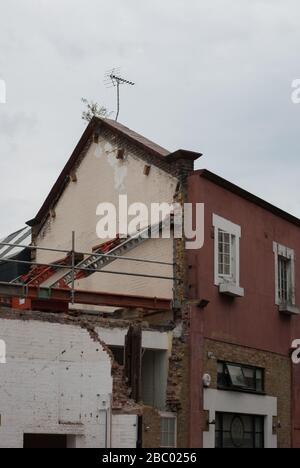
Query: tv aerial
[114,80]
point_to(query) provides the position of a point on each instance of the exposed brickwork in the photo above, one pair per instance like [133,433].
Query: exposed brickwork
[178,394]
[179,169]
[180,258]
[175,384]
[277,377]
[178,390]
[121,400]
[151,428]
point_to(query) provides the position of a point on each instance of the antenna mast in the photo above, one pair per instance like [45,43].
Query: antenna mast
[113,79]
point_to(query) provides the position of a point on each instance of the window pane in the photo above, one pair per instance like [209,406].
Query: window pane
[218,440]
[224,245]
[168,436]
[259,380]
[283,279]
[249,377]
[218,422]
[239,431]
[239,376]
[227,440]
[164,425]
[259,425]
[227,418]
[236,376]
[259,441]
[248,441]
[164,439]
[248,423]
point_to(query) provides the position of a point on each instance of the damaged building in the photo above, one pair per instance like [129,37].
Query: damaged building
[96,326]
[136,341]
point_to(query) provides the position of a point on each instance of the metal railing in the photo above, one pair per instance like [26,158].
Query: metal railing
[73,268]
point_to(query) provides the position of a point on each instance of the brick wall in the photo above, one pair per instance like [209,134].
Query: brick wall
[178,394]
[277,377]
[151,428]
[57,380]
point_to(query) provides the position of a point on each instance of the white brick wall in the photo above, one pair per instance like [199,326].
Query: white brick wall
[57,380]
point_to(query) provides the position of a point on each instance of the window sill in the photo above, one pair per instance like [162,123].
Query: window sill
[289,309]
[231,290]
[241,390]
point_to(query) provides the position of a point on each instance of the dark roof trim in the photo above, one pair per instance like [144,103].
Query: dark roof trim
[183,154]
[135,138]
[248,196]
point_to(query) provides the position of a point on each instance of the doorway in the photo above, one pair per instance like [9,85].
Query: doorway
[45,441]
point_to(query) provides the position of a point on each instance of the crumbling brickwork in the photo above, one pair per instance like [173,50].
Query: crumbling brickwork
[178,394]
[178,389]
[151,427]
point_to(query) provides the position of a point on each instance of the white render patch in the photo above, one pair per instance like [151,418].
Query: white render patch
[119,168]
[161,341]
[57,380]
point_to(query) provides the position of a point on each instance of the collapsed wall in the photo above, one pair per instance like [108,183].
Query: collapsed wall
[61,378]
[56,380]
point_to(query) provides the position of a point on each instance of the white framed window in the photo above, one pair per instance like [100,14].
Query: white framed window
[168,430]
[284,275]
[227,237]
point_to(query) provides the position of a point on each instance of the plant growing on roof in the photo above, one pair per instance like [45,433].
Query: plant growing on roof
[93,109]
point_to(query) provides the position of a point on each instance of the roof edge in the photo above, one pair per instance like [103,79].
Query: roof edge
[95,125]
[183,154]
[218,180]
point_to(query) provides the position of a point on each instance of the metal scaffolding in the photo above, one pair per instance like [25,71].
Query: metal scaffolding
[19,288]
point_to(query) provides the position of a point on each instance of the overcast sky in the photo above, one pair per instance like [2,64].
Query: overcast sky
[211,75]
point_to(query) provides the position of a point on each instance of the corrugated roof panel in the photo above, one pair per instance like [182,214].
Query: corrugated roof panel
[21,237]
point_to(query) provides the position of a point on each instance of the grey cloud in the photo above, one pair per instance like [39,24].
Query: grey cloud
[212,76]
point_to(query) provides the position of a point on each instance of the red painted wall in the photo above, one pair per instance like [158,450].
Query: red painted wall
[254,320]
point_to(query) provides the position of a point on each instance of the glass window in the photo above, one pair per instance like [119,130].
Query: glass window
[259,380]
[240,377]
[285,275]
[225,253]
[168,432]
[236,376]
[283,279]
[227,237]
[250,376]
[239,431]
